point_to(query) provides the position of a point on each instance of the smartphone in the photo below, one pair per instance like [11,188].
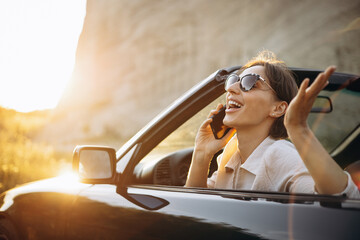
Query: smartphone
[218,128]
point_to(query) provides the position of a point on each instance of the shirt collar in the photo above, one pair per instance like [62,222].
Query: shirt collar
[254,160]
[233,162]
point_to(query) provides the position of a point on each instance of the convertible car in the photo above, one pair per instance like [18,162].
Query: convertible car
[138,191]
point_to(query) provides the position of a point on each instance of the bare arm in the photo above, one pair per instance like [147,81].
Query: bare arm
[328,176]
[205,148]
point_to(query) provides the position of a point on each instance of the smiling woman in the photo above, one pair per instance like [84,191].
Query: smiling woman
[37,45]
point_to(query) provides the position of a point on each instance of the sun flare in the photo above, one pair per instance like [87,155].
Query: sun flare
[68,176]
[37,46]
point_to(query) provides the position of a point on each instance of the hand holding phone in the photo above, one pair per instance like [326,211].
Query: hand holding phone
[218,128]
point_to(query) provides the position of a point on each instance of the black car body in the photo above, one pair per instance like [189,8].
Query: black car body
[138,192]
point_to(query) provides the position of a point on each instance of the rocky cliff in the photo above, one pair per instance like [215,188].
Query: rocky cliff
[135,57]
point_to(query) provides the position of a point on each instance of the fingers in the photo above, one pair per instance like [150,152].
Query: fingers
[215,111]
[317,85]
[320,82]
[206,123]
[303,87]
[329,71]
[219,106]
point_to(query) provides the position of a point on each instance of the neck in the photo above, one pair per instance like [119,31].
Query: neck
[249,139]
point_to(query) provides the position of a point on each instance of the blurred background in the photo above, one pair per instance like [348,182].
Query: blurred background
[96,71]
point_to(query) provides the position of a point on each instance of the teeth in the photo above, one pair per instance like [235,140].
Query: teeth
[234,103]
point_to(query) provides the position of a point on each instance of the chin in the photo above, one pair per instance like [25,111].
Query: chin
[228,123]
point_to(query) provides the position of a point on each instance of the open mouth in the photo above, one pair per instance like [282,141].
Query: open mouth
[233,104]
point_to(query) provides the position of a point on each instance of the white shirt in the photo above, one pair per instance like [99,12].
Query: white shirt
[274,165]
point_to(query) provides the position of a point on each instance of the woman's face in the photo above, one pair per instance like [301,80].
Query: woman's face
[251,108]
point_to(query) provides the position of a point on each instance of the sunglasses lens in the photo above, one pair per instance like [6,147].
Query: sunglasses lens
[248,82]
[231,80]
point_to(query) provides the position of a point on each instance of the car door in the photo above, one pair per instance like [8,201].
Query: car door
[165,212]
[226,214]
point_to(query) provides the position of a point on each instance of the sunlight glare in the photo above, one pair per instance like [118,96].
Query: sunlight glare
[68,176]
[37,46]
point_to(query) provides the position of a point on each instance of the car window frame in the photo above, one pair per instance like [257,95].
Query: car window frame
[159,128]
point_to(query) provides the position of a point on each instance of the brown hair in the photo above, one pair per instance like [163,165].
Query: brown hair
[281,80]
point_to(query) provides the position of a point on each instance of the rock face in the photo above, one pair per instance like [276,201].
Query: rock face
[135,57]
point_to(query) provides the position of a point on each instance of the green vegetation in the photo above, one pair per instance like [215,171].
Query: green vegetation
[21,158]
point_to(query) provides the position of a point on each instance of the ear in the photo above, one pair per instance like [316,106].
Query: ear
[279,109]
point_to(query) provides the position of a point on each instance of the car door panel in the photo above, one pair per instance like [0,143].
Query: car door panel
[101,213]
[265,218]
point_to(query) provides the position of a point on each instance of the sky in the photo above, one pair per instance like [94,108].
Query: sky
[37,51]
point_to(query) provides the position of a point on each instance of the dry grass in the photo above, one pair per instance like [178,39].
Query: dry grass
[21,159]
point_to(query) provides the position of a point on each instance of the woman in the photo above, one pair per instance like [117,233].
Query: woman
[257,157]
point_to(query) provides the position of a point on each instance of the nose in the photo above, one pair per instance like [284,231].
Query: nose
[234,88]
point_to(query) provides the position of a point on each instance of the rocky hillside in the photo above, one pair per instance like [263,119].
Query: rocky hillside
[135,57]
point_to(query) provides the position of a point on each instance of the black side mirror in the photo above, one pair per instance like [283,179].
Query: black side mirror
[322,104]
[95,164]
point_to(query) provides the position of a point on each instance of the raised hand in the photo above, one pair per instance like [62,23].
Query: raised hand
[299,108]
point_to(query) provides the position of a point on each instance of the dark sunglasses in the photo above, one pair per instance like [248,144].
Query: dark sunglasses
[247,81]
